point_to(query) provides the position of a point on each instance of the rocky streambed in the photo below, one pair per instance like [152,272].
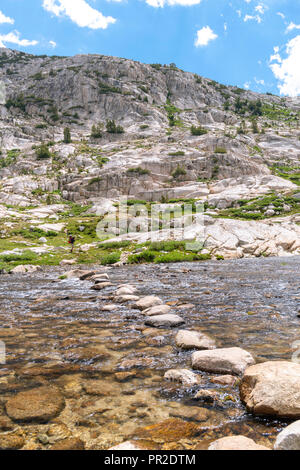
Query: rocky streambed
[86,368]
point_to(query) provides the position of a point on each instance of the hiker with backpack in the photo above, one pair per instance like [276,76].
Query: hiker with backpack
[71,241]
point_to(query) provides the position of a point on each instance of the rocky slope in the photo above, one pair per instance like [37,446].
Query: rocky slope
[243,164]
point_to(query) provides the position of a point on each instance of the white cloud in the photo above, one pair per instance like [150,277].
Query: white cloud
[260,8]
[162,3]
[292,26]
[14,38]
[255,18]
[259,82]
[204,36]
[287,70]
[52,44]
[281,15]
[5,19]
[80,12]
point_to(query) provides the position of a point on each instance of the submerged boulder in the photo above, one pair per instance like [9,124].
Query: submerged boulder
[36,405]
[184,376]
[186,339]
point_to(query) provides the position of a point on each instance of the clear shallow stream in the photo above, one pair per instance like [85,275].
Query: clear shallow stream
[110,367]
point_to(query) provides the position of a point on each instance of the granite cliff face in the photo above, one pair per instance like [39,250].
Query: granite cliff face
[185,137]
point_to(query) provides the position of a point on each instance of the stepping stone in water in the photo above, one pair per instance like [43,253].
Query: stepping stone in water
[289,438]
[126,290]
[236,443]
[168,320]
[102,285]
[222,361]
[272,389]
[157,310]
[148,301]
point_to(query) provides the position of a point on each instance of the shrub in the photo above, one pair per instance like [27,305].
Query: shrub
[220,150]
[26,256]
[178,257]
[179,153]
[96,132]
[138,171]
[112,258]
[178,172]
[67,135]
[114,245]
[198,130]
[112,128]
[146,256]
[166,245]
[42,152]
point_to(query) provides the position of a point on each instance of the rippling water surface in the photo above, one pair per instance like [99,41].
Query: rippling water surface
[110,367]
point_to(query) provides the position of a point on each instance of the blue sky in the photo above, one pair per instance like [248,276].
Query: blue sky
[249,43]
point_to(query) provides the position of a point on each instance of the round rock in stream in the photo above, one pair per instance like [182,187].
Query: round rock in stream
[148,302]
[236,443]
[289,438]
[194,340]
[157,310]
[223,361]
[272,389]
[168,320]
[36,405]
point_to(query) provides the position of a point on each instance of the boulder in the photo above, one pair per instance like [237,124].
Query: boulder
[222,361]
[102,285]
[126,290]
[272,389]
[109,308]
[87,275]
[157,310]
[168,320]
[122,299]
[236,443]
[36,405]
[25,269]
[186,339]
[148,302]
[99,277]
[228,380]
[289,438]
[67,262]
[74,273]
[184,376]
